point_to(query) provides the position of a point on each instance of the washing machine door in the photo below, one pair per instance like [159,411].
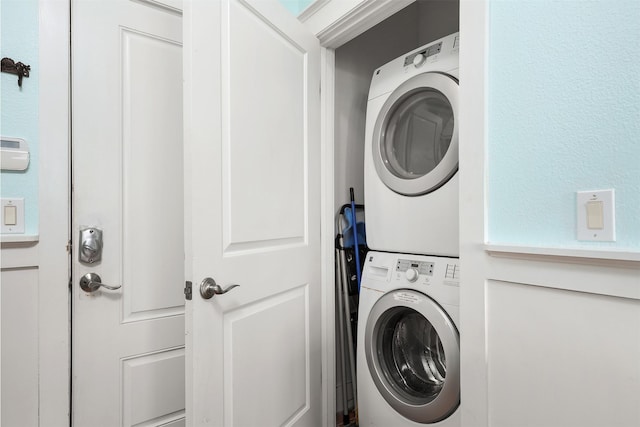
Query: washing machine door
[415,138]
[412,349]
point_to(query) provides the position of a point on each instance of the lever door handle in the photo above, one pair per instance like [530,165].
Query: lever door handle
[91,282]
[209,288]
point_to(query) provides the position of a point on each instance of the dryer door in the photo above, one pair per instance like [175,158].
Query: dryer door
[415,138]
[412,349]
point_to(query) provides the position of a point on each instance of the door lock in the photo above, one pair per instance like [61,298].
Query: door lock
[90,248]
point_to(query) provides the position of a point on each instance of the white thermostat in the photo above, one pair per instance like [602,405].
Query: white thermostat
[14,153]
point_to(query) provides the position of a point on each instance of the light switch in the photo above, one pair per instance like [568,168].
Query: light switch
[12,213]
[596,219]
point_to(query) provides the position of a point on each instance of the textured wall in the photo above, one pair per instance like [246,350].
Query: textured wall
[296,6]
[564,115]
[19,118]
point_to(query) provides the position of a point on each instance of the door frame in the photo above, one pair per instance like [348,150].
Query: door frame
[54,318]
[334,23]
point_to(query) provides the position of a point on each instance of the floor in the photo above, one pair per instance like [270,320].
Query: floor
[351,422]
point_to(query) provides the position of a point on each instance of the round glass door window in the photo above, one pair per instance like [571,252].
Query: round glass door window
[413,354]
[416,135]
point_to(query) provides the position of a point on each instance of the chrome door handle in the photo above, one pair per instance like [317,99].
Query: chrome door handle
[209,288]
[91,282]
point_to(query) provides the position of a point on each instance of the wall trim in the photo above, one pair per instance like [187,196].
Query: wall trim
[359,20]
[312,9]
[580,255]
[474,260]
[609,278]
[337,22]
[19,238]
[327,75]
[19,255]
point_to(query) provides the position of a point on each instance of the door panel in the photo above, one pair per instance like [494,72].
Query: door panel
[152,186]
[128,344]
[266,329]
[265,177]
[163,370]
[252,197]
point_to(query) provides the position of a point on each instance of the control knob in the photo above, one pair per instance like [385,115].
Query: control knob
[411,275]
[418,60]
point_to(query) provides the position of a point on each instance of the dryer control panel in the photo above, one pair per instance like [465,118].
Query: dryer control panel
[425,53]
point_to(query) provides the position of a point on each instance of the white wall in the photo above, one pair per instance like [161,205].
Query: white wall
[20,318]
[538,325]
[19,270]
[571,354]
[34,275]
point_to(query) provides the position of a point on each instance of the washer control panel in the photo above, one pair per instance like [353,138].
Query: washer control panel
[420,267]
[436,277]
[424,272]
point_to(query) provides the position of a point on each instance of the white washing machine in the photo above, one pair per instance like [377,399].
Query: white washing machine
[408,354]
[411,152]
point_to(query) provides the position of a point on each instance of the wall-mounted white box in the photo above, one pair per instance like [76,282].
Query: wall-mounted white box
[596,216]
[14,154]
[12,216]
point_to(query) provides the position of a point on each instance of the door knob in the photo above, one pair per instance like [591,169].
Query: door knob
[209,288]
[91,282]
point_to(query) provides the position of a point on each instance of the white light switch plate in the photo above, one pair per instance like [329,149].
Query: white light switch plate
[19,223]
[600,204]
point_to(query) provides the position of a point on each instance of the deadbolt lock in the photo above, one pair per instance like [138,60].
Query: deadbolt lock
[90,248]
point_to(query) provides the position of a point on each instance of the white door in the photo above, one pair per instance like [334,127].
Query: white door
[128,343]
[252,197]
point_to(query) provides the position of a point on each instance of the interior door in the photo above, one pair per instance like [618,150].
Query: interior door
[128,342]
[252,205]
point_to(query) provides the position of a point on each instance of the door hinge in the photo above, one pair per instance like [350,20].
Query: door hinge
[69,247]
[188,291]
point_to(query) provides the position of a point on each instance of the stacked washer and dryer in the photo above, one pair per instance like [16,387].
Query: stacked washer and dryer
[408,358]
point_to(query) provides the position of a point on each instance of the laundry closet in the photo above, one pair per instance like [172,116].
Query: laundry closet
[416,25]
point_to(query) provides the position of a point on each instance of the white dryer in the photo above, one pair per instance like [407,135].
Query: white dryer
[408,358]
[411,152]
